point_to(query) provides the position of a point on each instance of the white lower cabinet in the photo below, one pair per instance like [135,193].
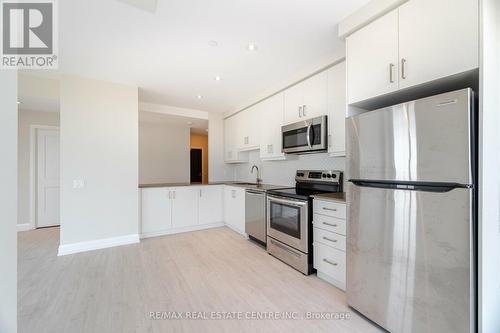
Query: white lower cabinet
[177,209]
[169,210]
[234,208]
[156,211]
[329,241]
[211,204]
[184,207]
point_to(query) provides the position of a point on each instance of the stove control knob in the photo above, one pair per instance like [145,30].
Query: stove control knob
[334,176]
[329,176]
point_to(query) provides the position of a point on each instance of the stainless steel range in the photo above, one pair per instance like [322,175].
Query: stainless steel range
[289,217]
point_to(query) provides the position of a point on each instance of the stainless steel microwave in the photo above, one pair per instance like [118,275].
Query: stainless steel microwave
[306,136]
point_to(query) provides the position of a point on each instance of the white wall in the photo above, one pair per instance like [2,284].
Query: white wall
[99,145]
[26,119]
[217,169]
[164,153]
[489,169]
[283,172]
[8,201]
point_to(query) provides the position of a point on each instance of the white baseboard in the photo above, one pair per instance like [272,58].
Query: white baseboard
[97,244]
[181,230]
[24,227]
[241,232]
[331,280]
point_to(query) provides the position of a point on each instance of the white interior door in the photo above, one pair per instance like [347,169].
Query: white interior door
[47,164]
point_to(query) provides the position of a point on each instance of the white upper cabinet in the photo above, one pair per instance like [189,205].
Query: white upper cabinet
[248,124]
[336,109]
[230,153]
[234,127]
[372,59]
[293,102]
[184,207]
[314,91]
[437,39]
[307,99]
[210,204]
[418,42]
[271,115]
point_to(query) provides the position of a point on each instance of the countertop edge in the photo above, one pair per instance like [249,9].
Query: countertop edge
[263,187]
[336,197]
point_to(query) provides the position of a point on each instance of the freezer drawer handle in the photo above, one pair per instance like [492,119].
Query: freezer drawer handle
[330,262]
[330,209]
[330,224]
[410,185]
[329,239]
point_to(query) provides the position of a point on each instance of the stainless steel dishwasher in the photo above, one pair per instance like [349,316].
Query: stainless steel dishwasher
[255,215]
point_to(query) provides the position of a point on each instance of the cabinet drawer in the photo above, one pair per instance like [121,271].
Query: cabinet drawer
[330,208]
[329,238]
[329,223]
[330,261]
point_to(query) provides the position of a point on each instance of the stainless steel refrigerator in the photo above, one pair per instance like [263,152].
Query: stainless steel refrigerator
[411,214]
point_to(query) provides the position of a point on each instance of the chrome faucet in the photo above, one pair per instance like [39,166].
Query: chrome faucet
[257,180]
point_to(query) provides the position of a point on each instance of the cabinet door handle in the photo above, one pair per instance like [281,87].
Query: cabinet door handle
[330,224]
[300,111]
[304,110]
[391,73]
[330,262]
[330,239]
[403,68]
[173,195]
[200,193]
[169,195]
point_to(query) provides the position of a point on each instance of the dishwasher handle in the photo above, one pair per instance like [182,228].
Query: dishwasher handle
[255,192]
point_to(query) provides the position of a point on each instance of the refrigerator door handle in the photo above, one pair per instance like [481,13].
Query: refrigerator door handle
[409,185]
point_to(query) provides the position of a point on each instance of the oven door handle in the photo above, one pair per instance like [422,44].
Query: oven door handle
[296,203]
[309,135]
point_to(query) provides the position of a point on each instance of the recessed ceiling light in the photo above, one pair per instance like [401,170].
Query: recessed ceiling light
[217,78]
[199,96]
[213,43]
[251,47]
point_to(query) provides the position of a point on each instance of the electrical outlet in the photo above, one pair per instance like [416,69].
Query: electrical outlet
[78,183]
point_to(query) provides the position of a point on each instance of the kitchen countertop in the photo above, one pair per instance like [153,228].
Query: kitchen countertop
[337,196]
[262,187]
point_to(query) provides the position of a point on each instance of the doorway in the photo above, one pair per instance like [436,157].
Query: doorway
[46,177]
[196,165]
[199,152]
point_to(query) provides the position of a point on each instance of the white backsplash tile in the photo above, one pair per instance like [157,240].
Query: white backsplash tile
[283,172]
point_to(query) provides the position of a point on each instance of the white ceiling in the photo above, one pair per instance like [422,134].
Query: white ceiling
[166,51]
[198,126]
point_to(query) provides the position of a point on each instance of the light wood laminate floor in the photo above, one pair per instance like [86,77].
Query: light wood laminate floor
[216,270]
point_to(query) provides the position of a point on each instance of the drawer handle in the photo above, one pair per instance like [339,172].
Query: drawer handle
[329,239]
[285,249]
[330,262]
[330,224]
[331,209]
